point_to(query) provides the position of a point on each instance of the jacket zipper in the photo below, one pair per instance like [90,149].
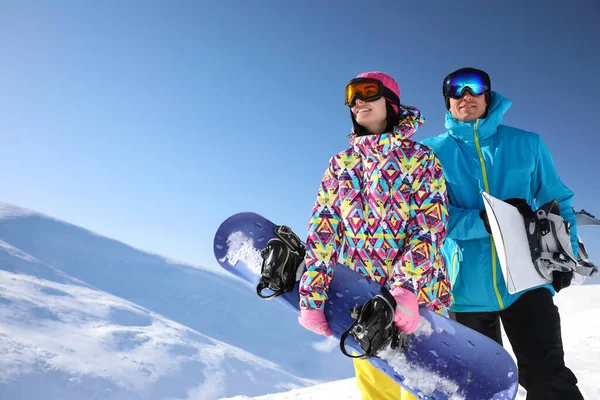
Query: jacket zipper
[487,189]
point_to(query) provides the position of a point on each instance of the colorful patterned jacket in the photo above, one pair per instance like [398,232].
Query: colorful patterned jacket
[383,203]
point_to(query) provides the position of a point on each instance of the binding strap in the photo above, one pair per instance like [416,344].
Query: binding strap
[373,327]
[282,256]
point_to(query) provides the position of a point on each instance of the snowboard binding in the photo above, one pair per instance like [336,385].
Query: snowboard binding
[585,266]
[373,327]
[550,244]
[281,259]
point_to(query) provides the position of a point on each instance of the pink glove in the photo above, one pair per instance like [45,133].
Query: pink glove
[406,316]
[314,320]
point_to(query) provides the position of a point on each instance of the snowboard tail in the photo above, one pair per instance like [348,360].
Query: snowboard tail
[441,360]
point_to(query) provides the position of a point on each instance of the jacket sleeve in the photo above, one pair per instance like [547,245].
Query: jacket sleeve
[323,242]
[465,224]
[422,259]
[547,186]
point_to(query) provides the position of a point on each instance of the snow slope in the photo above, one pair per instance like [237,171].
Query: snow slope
[84,316]
[72,342]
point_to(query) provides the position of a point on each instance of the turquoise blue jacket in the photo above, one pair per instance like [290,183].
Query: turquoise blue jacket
[505,162]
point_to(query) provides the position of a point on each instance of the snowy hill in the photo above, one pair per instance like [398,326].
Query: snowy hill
[85,316]
[63,341]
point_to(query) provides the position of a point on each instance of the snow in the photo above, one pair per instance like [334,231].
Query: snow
[9,211]
[88,334]
[416,376]
[85,316]
[419,377]
[344,389]
[327,345]
[16,252]
[241,248]
[12,212]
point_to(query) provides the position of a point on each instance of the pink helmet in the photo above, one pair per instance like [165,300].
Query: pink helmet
[388,82]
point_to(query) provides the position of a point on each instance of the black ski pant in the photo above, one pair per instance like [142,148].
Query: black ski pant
[532,325]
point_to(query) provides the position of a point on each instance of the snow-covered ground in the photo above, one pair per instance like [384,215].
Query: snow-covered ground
[343,389]
[57,336]
[83,316]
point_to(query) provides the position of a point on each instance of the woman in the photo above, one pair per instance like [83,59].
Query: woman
[384,201]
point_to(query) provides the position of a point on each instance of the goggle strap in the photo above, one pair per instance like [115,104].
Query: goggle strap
[391,96]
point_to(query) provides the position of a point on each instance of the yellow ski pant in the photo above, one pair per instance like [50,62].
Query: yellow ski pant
[375,385]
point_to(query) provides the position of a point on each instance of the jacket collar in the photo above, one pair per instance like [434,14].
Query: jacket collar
[411,120]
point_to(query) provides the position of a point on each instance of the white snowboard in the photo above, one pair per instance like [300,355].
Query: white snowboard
[508,229]
[584,219]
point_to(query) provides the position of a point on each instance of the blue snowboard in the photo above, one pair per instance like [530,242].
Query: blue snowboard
[465,364]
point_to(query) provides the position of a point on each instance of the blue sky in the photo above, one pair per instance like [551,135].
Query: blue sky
[151,122]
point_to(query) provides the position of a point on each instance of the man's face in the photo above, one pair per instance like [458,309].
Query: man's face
[468,108]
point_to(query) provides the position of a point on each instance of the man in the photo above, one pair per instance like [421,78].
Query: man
[479,154]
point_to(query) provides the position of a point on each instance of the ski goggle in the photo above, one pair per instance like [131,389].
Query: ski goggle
[368,89]
[475,81]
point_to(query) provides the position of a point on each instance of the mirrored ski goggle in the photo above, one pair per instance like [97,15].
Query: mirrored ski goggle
[474,81]
[368,89]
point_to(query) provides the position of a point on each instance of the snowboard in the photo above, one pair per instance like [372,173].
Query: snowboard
[583,218]
[441,360]
[512,244]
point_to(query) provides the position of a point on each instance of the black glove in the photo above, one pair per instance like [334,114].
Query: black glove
[520,204]
[486,221]
[561,280]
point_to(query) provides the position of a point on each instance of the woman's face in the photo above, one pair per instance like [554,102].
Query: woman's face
[372,115]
